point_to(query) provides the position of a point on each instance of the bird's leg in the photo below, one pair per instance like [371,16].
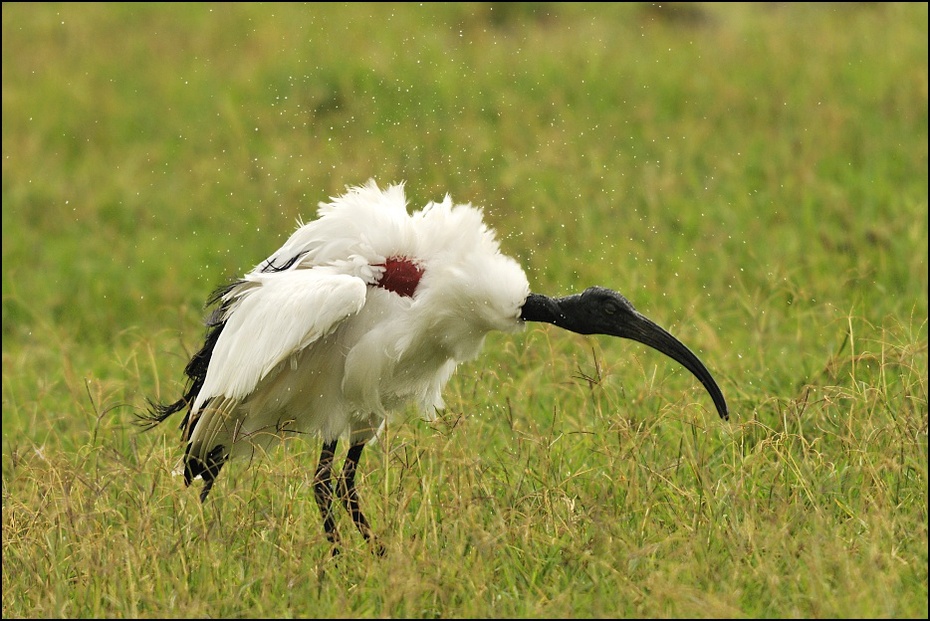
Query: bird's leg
[323,490]
[350,496]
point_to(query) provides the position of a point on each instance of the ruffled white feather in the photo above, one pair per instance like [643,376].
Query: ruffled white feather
[318,348]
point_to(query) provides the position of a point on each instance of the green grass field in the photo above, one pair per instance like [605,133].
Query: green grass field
[752,177]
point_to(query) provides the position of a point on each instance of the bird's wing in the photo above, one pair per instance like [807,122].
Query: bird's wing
[285,313]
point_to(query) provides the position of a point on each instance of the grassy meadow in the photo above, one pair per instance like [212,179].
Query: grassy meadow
[752,176]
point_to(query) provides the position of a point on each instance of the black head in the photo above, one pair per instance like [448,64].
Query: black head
[601,311]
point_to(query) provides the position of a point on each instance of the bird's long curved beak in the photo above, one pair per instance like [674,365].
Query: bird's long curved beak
[643,330]
[598,310]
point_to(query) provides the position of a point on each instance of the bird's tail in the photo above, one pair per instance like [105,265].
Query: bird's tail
[158,412]
[196,371]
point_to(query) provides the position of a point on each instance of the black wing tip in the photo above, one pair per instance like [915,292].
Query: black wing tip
[207,486]
[207,469]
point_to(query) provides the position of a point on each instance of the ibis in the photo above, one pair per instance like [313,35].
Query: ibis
[361,311]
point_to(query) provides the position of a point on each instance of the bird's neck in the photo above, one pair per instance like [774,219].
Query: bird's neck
[538,307]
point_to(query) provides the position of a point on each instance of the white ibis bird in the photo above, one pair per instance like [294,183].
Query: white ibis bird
[360,311]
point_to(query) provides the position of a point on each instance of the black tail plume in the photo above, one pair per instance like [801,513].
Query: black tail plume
[196,369]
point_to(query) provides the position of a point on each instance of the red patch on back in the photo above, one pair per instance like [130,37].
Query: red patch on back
[401,275]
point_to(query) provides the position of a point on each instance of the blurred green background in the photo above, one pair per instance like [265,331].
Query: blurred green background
[752,176]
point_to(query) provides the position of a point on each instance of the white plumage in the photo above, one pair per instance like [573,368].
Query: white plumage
[360,311]
[319,348]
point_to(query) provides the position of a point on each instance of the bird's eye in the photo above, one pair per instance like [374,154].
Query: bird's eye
[611,308]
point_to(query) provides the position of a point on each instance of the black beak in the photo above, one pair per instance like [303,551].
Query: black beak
[601,311]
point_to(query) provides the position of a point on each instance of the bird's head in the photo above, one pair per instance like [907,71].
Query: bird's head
[598,310]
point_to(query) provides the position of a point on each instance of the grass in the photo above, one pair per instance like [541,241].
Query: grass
[752,177]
